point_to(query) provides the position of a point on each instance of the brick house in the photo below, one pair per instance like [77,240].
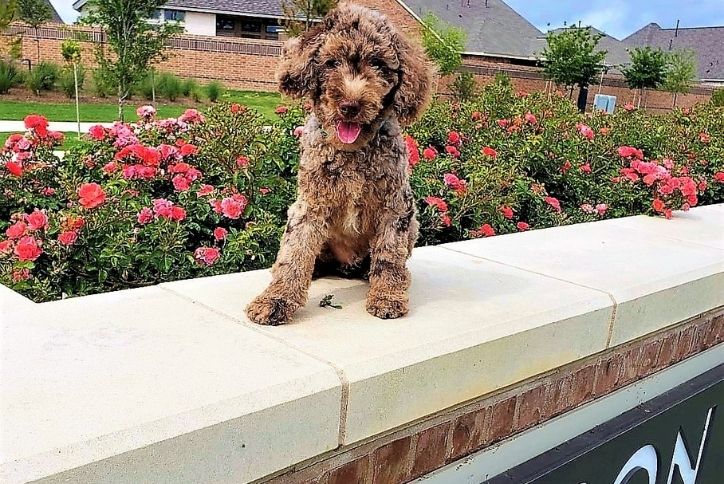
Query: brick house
[707,42]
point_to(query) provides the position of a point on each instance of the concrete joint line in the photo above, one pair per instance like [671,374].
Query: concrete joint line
[343,380]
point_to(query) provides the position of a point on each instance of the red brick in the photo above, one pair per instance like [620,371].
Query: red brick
[531,407]
[469,433]
[631,359]
[714,333]
[685,344]
[608,374]
[431,449]
[582,390]
[354,472]
[559,396]
[391,462]
[649,353]
[666,354]
[702,333]
[501,422]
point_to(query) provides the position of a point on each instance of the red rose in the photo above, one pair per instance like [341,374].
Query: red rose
[436,202]
[553,202]
[506,211]
[206,255]
[6,246]
[14,168]
[37,123]
[658,205]
[454,138]
[97,132]
[220,233]
[429,153]
[488,151]
[232,208]
[37,220]
[188,149]
[530,118]
[205,190]
[91,195]
[68,238]
[281,109]
[144,216]
[27,249]
[522,226]
[17,230]
[486,230]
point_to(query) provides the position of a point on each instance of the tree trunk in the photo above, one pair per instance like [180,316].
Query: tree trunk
[37,42]
[582,98]
[77,102]
[121,98]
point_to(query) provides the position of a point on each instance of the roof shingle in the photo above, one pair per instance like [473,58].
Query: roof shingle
[269,8]
[707,42]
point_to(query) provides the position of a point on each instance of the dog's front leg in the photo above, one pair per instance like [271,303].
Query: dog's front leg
[389,278]
[292,272]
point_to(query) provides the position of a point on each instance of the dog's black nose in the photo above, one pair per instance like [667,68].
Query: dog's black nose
[349,108]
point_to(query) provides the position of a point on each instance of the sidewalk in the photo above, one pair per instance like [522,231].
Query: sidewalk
[65,126]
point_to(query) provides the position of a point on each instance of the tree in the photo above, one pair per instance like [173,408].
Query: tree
[680,72]
[443,43]
[34,13]
[8,13]
[70,50]
[134,43]
[646,71]
[571,59]
[299,15]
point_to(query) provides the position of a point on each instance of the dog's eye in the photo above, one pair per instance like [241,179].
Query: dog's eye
[378,64]
[331,63]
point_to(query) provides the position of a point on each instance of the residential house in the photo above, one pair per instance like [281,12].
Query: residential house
[706,42]
[253,19]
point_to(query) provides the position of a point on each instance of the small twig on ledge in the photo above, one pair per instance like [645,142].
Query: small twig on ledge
[327,301]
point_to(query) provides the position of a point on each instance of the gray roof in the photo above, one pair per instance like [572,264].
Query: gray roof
[54,17]
[492,29]
[267,8]
[707,42]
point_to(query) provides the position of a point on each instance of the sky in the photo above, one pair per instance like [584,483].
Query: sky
[618,18]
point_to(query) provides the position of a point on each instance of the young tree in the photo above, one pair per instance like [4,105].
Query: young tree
[34,13]
[8,13]
[646,71]
[571,59]
[680,72]
[70,50]
[134,43]
[299,15]
[443,43]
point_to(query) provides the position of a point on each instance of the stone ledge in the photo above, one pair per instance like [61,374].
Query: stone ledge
[171,383]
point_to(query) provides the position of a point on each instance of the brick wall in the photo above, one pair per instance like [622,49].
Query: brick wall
[250,64]
[417,450]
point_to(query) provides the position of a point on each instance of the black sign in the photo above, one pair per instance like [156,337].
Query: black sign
[676,438]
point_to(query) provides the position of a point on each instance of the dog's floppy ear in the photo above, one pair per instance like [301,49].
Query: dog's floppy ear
[415,87]
[297,72]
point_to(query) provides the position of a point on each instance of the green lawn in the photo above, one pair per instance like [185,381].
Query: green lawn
[71,139]
[265,103]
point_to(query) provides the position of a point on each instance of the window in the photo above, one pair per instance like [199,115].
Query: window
[174,15]
[225,26]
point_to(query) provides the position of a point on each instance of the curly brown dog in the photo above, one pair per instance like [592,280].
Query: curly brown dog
[365,82]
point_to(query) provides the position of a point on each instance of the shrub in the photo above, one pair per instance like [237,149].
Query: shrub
[67,80]
[154,201]
[146,87]
[464,86]
[8,75]
[169,86]
[214,90]
[102,86]
[717,97]
[189,86]
[42,77]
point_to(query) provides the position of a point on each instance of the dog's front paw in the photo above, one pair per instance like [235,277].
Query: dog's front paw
[270,310]
[387,306]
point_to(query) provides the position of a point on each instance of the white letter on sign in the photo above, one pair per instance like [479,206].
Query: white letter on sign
[681,456]
[643,459]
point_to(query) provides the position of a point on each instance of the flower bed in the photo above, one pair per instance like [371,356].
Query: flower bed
[159,200]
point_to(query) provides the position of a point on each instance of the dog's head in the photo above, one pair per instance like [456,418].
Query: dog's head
[357,70]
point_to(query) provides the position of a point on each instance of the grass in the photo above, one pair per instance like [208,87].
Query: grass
[263,102]
[71,140]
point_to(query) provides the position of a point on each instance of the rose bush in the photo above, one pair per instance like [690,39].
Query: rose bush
[158,200]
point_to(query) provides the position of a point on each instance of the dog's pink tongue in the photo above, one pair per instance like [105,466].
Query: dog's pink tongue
[348,132]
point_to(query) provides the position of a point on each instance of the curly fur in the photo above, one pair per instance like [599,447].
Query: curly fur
[354,199]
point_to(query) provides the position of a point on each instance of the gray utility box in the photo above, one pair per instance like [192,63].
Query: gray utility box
[603,102]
